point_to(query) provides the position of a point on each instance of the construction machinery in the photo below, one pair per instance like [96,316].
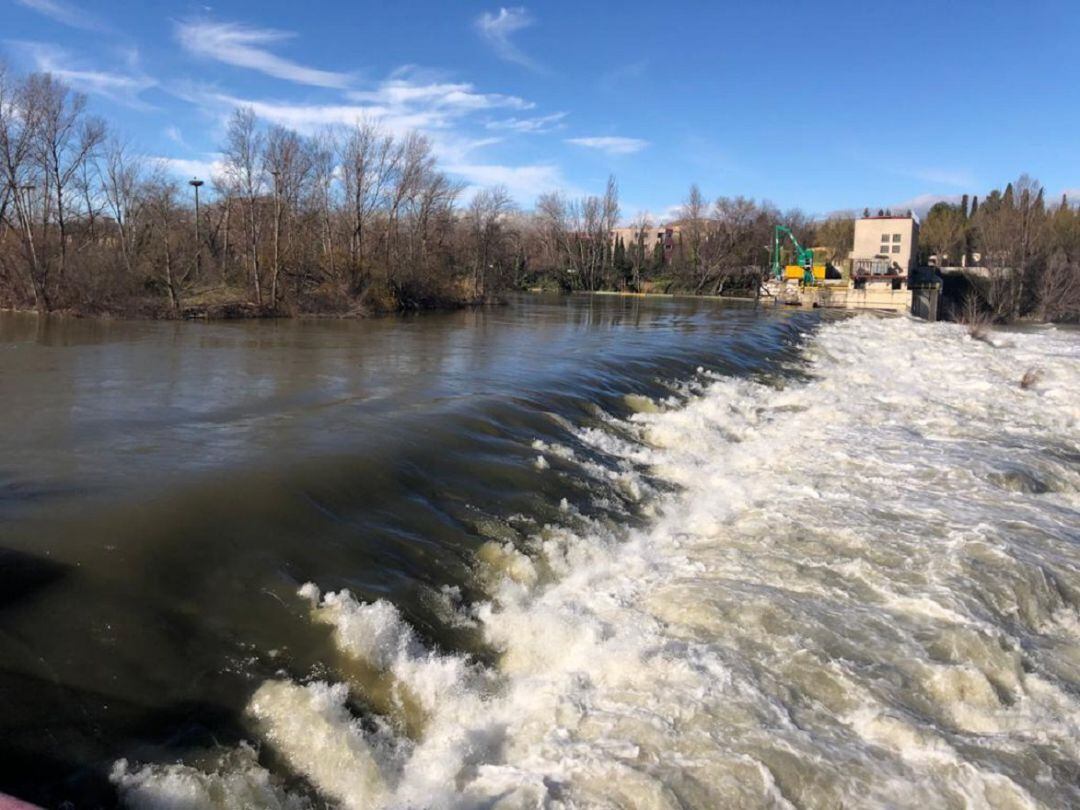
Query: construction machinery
[804,266]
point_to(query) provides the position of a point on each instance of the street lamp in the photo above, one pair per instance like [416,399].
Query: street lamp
[24,203]
[196,183]
[277,234]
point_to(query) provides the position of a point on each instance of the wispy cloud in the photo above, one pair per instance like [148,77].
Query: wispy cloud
[446,96]
[123,88]
[66,14]
[537,125]
[243,46]
[611,145]
[525,183]
[498,29]
[174,134]
[959,178]
[398,103]
[205,168]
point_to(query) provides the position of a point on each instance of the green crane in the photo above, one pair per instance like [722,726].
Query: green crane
[804,257]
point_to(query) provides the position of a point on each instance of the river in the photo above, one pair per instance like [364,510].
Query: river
[568,553]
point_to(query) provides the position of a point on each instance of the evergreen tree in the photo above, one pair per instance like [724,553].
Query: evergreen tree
[964,206]
[866,213]
[1007,197]
[621,265]
[1064,202]
[974,206]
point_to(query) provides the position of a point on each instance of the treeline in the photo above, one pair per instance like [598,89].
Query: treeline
[356,219]
[347,220]
[353,219]
[1024,251]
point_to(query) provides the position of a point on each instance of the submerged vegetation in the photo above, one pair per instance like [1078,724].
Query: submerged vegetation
[356,220]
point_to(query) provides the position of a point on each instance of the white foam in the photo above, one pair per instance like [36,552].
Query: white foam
[838,607]
[238,783]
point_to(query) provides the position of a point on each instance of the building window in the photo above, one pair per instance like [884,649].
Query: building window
[896,237]
[895,248]
[884,237]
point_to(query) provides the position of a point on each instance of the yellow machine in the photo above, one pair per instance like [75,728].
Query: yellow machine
[821,258]
[810,263]
[793,271]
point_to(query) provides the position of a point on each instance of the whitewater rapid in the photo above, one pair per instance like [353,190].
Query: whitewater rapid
[851,584]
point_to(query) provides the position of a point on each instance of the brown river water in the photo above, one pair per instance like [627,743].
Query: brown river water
[572,552]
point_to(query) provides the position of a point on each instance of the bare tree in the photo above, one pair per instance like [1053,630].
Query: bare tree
[19,122]
[161,195]
[290,161]
[66,140]
[1059,288]
[369,161]
[244,175]
[121,177]
[484,217]
[692,221]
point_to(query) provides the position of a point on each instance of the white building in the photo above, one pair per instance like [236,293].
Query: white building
[885,246]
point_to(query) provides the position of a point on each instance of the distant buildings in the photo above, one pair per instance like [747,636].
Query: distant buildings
[665,236]
[884,247]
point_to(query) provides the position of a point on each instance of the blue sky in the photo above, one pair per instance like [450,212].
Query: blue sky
[824,106]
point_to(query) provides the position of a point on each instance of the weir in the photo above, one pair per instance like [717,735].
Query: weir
[586,550]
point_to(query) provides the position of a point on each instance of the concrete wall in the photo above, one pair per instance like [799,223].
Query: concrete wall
[894,237]
[879,297]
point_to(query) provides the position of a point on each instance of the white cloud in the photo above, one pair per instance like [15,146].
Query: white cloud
[187,168]
[497,30]
[123,88]
[612,145]
[242,46]
[64,13]
[450,97]
[309,119]
[174,134]
[398,104]
[540,124]
[448,141]
[525,183]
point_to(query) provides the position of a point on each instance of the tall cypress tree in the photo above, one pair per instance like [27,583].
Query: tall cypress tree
[964,206]
[974,205]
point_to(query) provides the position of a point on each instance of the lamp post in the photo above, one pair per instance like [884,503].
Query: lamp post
[196,183]
[24,204]
[276,174]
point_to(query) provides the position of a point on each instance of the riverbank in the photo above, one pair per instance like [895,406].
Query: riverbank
[228,304]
